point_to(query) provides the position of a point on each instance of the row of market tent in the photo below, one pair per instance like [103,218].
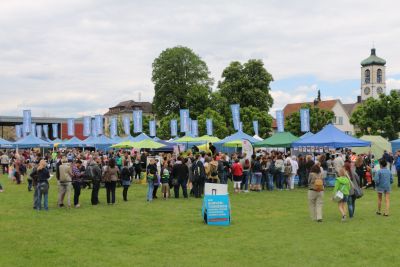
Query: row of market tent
[329,136]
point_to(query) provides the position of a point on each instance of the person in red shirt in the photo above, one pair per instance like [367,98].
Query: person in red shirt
[237,172]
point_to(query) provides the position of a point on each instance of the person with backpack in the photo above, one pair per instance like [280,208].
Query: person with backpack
[64,182]
[125,180]
[315,193]
[165,180]
[213,178]
[257,175]
[198,177]
[287,173]
[43,176]
[93,173]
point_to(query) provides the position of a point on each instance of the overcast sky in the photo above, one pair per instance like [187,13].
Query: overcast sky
[78,57]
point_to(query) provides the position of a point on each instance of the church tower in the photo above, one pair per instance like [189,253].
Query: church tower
[373,76]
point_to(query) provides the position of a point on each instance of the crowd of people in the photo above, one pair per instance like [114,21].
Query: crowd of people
[189,171]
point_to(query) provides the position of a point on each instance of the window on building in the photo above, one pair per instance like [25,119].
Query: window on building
[340,121]
[334,120]
[367,76]
[379,76]
[348,132]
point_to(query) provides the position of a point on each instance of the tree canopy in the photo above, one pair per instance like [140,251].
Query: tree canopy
[378,116]
[181,80]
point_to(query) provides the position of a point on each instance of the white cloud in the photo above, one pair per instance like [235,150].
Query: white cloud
[392,84]
[104,48]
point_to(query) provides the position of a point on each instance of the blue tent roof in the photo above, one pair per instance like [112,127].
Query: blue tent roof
[331,136]
[73,142]
[101,140]
[141,137]
[156,139]
[237,136]
[31,141]
[56,141]
[5,144]
[307,134]
[128,138]
[117,139]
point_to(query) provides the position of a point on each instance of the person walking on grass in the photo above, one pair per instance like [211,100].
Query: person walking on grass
[354,184]
[383,179]
[110,178]
[43,176]
[125,180]
[315,193]
[93,173]
[343,184]
[64,182]
[77,176]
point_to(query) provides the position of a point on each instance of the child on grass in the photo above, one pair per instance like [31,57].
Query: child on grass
[165,183]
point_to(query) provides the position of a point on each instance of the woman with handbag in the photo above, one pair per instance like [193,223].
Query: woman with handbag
[342,191]
[355,190]
[110,178]
[43,176]
[126,175]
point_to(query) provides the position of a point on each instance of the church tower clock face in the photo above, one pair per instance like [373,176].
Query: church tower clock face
[367,91]
[379,90]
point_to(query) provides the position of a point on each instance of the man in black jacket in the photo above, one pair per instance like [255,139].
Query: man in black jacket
[180,175]
[93,173]
[199,177]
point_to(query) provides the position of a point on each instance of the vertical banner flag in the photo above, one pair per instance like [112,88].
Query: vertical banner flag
[152,126]
[209,126]
[18,131]
[86,126]
[255,127]
[247,148]
[184,113]
[195,128]
[305,119]
[113,127]
[46,131]
[127,124]
[93,132]
[241,126]
[39,131]
[174,128]
[137,121]
[99,124]
[27,121]
[279,121]
[235,108]
[71,127]
[54,127]
[33,129]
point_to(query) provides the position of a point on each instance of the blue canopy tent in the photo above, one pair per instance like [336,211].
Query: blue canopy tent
[5,144]
[31,141]
[117,139]
[155,138]
[233,138]
[142,137]
[330,136]
[307,134]
[168,147]
[73,142]
[395,145]
[128,138]
[99,142]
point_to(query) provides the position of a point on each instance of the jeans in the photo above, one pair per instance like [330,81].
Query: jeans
[77,192]
[256,179]
[125,192]
[155,191]
[270,183]
[45,199]
[245,181]
[302,178]
[223,177]
[30,184]
[36,203]
[5,168]
[279,180]
[198,187]
[351,204]
[183,184]
[95,192]
[150,187]
[264,181]
[110,188]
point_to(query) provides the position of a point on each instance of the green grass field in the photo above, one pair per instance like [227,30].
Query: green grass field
[268,229]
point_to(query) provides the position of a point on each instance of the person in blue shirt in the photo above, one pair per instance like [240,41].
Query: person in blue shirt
[383,179]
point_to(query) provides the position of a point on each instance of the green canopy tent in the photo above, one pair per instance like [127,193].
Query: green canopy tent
[284,139]
[378,146]
[147,144]
[208,139]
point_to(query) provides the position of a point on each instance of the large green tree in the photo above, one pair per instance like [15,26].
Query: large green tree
[219,126]
[181,80]
[250,114]
[379,116]
[164,126]
[247,84]
[318,119]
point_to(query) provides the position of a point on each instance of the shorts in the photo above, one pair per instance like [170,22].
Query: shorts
[165,188]
[383,191]
[236,184]
[345,198]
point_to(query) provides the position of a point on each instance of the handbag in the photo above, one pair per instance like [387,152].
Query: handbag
[358,193]
[338,196]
